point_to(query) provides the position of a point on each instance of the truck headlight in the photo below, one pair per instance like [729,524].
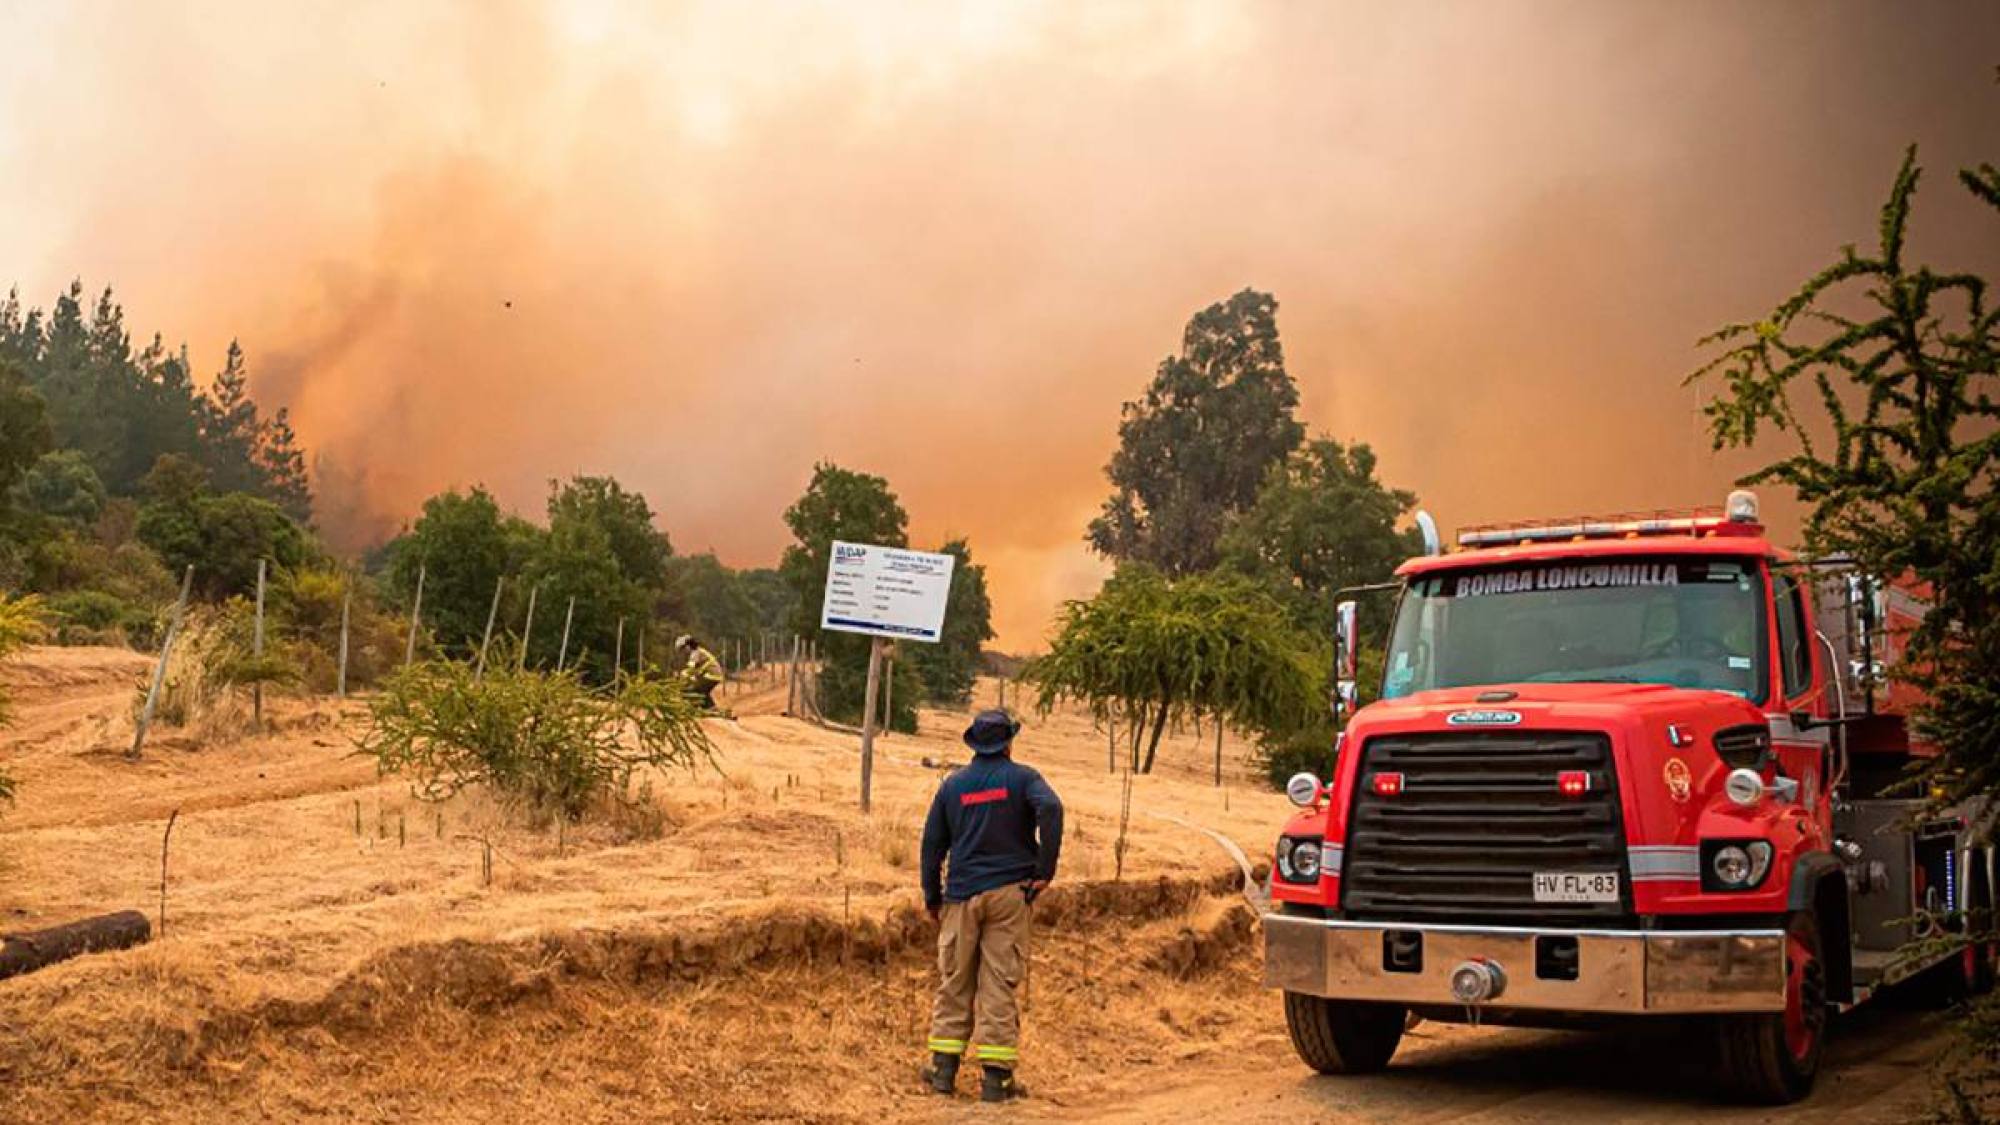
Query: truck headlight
[1305,860]
[1735,865]
[1298,859]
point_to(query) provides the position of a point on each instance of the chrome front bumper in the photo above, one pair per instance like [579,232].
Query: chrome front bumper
[1630,971]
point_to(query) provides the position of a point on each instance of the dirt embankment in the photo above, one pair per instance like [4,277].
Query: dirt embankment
[794,1014]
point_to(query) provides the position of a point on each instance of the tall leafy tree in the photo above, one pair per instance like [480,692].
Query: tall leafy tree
[1194,451]
[1883,375]
[604,551]
[772,599]
[464,545]
[221,535]
[709,600]
[857,508]
[1323,521]
[626,518]
[949,667]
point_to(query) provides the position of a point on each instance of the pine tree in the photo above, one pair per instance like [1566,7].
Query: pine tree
[283,465]
[231,428]
[1883,375]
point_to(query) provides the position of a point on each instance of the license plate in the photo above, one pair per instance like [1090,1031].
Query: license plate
[1576,886]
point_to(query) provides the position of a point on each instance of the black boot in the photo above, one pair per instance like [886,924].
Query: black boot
[942,1073]
[1000,1086]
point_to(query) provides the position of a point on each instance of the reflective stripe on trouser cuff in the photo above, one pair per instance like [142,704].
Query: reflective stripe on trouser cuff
[990,1053]
[948,1046]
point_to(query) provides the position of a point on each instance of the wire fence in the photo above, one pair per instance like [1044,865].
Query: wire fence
[760,661]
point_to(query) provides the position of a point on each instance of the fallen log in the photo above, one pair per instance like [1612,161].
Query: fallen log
[24,953]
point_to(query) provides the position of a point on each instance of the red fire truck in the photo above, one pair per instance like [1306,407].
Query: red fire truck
[1623,768]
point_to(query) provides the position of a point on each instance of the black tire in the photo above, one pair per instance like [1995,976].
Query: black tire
[1343,1036]
[1772,1058]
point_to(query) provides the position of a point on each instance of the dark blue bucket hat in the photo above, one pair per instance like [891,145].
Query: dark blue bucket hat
[992,732]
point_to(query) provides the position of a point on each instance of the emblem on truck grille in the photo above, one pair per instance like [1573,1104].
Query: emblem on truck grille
[1483,718]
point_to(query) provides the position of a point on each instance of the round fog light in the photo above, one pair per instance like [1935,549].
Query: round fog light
[1744,786]
[1731,865]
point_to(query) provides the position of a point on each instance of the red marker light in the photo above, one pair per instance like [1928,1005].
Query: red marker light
[1386,784]
[1573,783]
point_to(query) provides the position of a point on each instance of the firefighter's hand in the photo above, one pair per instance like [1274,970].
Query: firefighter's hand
[1035,888]
[936,913]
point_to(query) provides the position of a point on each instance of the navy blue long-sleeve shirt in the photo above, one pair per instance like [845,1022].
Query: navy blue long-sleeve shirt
[1000,823]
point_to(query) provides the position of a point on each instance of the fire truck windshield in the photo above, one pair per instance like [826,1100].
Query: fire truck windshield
[1694,623]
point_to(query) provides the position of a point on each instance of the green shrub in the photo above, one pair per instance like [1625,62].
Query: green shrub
[541,741]
[305,607]
[85,617]
[22,622]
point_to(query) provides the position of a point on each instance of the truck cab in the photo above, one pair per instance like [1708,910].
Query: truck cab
[1608,775]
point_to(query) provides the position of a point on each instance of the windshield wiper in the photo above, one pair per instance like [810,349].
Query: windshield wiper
[1601,680]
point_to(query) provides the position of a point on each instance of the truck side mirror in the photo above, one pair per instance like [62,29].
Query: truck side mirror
[1345,659]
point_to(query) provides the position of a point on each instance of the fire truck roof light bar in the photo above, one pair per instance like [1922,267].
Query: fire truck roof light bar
[1695,522]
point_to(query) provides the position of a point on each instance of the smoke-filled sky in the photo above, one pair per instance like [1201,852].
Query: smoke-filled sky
[700,246]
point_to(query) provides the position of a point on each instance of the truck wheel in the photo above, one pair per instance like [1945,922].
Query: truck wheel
[1343,1036]
[1970,972]
[1772,1057]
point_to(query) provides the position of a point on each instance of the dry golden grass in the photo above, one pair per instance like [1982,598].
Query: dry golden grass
[752,949]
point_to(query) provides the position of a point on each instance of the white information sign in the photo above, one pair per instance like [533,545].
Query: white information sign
[886,591]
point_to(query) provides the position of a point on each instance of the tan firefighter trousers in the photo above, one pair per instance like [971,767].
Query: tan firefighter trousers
[983,959]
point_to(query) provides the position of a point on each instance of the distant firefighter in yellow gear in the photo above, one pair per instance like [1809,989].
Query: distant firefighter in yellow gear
[702,671]
[1001,826]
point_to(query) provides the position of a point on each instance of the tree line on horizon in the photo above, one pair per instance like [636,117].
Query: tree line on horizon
[120,469]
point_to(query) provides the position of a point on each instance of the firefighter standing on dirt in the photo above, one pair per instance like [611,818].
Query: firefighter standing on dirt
[703,671]
[1001,825]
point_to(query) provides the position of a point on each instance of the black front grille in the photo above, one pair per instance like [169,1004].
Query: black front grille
[1478,815]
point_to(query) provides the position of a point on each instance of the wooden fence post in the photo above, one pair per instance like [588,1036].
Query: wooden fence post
[485,639]
[527,629]
[889,696]
[160,669]
[868,720]
[618,652]
[416,615]
[340,674]
[792,679]
[562,653]
[257,650]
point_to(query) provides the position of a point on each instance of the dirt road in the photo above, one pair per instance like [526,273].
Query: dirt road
[1879,1071]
